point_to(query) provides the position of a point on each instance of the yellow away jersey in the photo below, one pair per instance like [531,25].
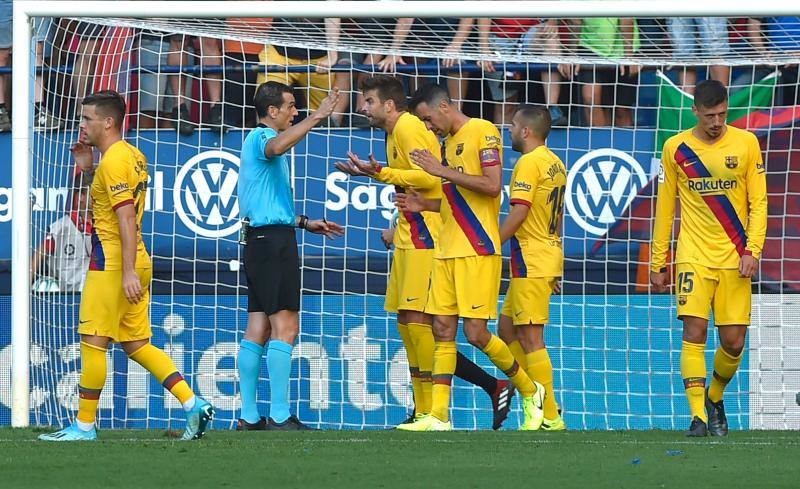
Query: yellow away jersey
[538,181]
[470,220]
[120,179]
[415,230]
[723,193]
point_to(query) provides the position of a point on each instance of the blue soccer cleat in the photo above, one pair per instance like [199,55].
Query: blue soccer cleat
[197,420]
[70,433]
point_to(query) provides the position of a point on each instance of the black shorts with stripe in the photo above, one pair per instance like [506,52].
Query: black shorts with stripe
[272,269]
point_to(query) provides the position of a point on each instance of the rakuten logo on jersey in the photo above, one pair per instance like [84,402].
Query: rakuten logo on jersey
[709,186]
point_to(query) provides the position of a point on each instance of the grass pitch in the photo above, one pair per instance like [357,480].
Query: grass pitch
[389,459]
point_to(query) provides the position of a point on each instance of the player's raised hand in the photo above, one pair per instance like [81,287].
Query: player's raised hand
[425,160]
[452,53]
[387,236]
[748,266]
[327,228]
[83,155]
[411,201]
[660,281]
[487,65]
[357,167]
[327,105]
[132,287]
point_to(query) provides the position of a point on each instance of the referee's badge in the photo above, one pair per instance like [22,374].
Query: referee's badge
[731,162]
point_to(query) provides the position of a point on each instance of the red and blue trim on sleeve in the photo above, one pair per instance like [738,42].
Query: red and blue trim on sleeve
[719,204]
[98,259]
[468,221]
[420,234]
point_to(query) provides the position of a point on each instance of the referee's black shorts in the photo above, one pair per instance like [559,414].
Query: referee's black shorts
[272,269]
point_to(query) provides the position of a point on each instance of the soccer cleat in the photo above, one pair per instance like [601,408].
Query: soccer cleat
[291,424]
[70,433]
[427,422]
[555,424]
[698,428]
[214,118]
[532,408]
[501,402]
[243,425]
[197,420]
[412,419]
[717,421]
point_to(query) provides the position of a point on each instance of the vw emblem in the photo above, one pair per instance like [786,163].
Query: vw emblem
[600,187]
[205,194]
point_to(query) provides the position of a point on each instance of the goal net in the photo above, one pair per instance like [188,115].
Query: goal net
[616,89]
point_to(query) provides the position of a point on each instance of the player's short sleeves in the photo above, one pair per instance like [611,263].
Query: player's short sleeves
[524,182]
[490,146]
[115,174]
[264,137]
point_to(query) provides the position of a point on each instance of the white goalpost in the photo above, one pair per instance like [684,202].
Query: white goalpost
[614,341]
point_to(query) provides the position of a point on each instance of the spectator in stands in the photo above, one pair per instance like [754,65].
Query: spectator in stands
[509,38]
[240,82]
[314,64]
[64,254]
[446,35]
[783,34]
[209,50]
[43,116]
[153,86]
[83,40]
[700,36]
[610,39]
[6,15]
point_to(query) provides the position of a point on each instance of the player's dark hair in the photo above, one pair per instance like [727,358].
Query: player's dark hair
[108,103]
[269,94]
[710,93]
[430,94]
[536,117]
[388,88]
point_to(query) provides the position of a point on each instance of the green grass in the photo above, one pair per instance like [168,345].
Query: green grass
[388,459]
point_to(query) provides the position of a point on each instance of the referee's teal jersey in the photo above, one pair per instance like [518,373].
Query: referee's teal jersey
[265,187]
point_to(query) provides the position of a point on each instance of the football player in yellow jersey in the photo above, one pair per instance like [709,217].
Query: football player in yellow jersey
[116,296]
[465,279]
[533,223]
[414,239]
[718,174]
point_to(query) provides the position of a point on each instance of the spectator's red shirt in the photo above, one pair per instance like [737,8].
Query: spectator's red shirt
[511,28]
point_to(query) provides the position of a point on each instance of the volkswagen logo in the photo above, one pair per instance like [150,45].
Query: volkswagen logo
[205,194]
[600,187]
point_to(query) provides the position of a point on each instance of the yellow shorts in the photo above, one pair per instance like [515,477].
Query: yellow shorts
[700,289]
[319,84]
[467,287]
[528,300]
[106,312]
[409,280]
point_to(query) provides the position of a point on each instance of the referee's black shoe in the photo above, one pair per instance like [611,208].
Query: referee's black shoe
[291,424]
[697,429]
[717,421]
[243,425]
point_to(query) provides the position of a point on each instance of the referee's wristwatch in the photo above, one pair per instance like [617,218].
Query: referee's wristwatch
[302,222]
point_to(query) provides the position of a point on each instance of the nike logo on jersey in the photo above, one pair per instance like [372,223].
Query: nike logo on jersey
[477,307]
[411,299]
[83,321]
[687,163]
[518,314]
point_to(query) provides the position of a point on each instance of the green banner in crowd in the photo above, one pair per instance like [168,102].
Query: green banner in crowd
[675,106]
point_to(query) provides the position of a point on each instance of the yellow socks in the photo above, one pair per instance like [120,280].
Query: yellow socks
[693,372]
[725,366]
[413,368]
[93,378]
[444,365]
[422,339]
[161,366]
[501,356]
[540,369]
[519,354]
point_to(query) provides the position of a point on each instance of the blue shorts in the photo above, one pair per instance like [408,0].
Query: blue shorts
[697,36]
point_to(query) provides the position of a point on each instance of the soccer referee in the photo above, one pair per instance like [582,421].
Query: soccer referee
[271,261]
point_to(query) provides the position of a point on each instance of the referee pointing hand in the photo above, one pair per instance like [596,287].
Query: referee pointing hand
[271,261]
